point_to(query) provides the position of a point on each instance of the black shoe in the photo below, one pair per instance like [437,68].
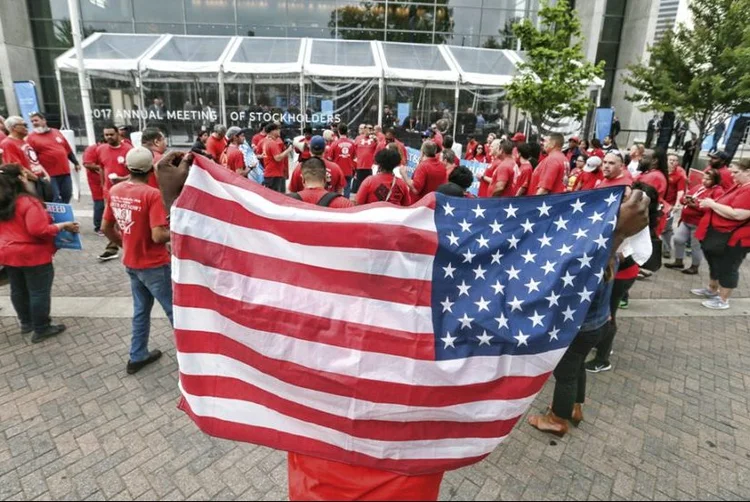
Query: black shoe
[108,255]
[48,332]
[678,264]
[153,356]
[692,270]
[26,328]
[596,367]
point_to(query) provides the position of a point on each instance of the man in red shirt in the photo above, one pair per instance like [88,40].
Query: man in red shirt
[335,180]
[233,158]
[135,218]
[55,155]
[388,138]
[304,153]
[153,139]
[720,162]
[125,132]
[276,164]
[257,142]
[364,154]
[342,153]
[111,157]
[217,142]
[17,151]
[676,186]
[549,174]
[94,174]
[314,176]
[524,169]
[430,173]
[614,171]
[502,180]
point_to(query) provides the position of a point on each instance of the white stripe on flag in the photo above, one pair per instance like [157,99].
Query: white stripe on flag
[208,365]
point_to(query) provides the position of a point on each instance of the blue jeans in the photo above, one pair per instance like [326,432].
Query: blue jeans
[62,188]
[147,284]
[31,294]
[348,186]
[98,213]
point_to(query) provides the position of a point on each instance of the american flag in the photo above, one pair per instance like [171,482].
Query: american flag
[404,339]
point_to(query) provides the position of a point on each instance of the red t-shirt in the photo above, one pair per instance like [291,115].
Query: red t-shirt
[598,152]
[342,153]
[274,168]
[305,153]
[2,136]
[27,239]
[506,171]
[335,180]
[257,142]
[693,215]
[233,158]
[17,151]
[623,180]
[52,149]
[677,182]
[96,184]
[656,179]
[216,146]
[112,159]
[726,177]
[429,175]
[152,180]
[590,180]
[481,158]
[549,174]
[376,189]
[313,195]
[737,197]
[364,151]
[484,187]
[137,208]
[523,177]
[401,150]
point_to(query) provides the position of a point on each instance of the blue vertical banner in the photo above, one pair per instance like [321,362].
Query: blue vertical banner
[604,118]
[403,112]
[326,106]
[26,97]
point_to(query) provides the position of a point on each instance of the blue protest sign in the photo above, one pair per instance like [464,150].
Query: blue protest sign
[62,213]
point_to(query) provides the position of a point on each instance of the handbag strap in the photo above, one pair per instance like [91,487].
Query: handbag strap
[393,183]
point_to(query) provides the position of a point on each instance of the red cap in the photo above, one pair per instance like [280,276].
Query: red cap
[574,138]
[519,136]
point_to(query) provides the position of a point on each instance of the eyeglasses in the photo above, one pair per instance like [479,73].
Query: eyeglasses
[617,153]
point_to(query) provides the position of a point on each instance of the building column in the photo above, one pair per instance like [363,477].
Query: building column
[591,14]
[17,56]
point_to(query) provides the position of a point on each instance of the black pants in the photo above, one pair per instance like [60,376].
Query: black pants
[725,267]
[361,175]
[276,183]
[620,288]
[570,373]
[31,294]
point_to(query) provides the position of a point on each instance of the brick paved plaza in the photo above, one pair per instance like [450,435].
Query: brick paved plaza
[671,421]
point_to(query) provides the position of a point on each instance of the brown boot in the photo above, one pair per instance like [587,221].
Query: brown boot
[678,264]
[692,270]
[577,417]
[549,423]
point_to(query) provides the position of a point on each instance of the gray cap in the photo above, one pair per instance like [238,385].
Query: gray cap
[140,160]
[592,164]
[232,132]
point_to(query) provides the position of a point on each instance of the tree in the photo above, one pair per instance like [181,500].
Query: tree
[698,71]
[367,20]
[552,82]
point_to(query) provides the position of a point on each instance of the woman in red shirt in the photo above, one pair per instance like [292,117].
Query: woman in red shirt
[725,237]
[690,217]
[27,244]
[384,186]
[479,154]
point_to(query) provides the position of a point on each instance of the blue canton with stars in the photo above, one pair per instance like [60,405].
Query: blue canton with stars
[516,276]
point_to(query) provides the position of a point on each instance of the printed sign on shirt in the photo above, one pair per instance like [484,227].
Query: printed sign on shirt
[63,213]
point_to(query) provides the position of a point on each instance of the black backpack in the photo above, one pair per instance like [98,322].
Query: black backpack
[324,201]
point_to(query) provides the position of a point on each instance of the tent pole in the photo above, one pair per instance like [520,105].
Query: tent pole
[83,81]
[302,104]
[381,99]
[222,97]
[61,94]
[142,110]
[455,110]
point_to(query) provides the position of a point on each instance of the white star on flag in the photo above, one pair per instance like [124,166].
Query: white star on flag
[465,226]
[553,333]
[568,314]
[448,340]
[468,256]
[514,241]
[544,209]
[596,217]
[528,226]
[466,321]
[552,299]
[483,242]
[512,273]
[499,288]
[585,295]
[453,238]
[478,212]
[577,206]
[515,304]
[502,321]
[522,339]
[600,276]
[611,199]
[479,272]
[581,233]
[463,289]
[561,224]
[585,260]
[482,304]
[449,271]
[568,279]
[447,304]
[536,319]
[495,226]
[496,257]
[448,209]
[510,211]
[532,285]
[528,257]
[484,338]
[549,267]
[613,222]
[601,242]
[546,241]
[564,250]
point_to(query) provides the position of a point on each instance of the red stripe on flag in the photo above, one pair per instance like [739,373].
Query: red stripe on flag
[378,287]
[504,388]
[380,430]
[306,446]
[309,327]
[386,237]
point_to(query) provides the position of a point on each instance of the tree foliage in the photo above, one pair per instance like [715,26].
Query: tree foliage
[552,82]
[367,20]
[698,71]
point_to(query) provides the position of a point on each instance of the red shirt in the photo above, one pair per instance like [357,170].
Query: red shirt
[313,195]
[677,182]
[137,208]
[401,150]
[549,174]
[470,147]
[481,158]
[376,189]
[693,215]
[506,171]
[523,177]
[27,239]
[215,146]
[335,180]
[656,179]
[17,151]
[590,180]
[598,152]
[726,178]
[737,197]
[429,175]
[364,151]
[342,153]
[112,159]
[96,183]
[305,153]
[623,180]
[53,150]
[152,180]
[233,159]
[274,168]
[257,142]
[483,185]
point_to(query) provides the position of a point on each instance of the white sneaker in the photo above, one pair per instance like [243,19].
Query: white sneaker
[705,293]
[716,304]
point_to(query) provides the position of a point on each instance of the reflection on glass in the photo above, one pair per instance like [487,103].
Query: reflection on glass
[209,11]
